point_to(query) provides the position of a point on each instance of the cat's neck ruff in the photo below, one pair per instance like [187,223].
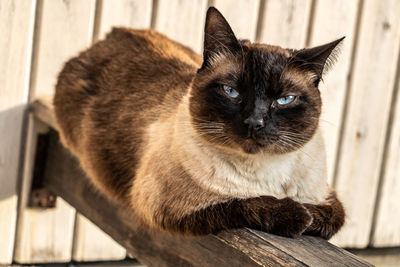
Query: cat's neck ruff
[300,175]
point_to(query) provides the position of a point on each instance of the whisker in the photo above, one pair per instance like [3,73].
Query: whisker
[297,145]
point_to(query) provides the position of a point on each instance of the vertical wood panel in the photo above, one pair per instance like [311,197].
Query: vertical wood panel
[182,21]
[91,243]
[367,117]
[285,23]
[43,235]
[242,16]
[66,27]
[332,20]
[129,13]
[387,228]
[63,28]
[16,30]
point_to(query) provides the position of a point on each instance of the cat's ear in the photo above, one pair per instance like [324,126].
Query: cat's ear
[317,59]
[218,36]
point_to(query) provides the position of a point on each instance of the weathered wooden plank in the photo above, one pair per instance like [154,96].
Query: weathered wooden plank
[90,243]
[62,29]
[182,21]
[332,20]
[285,23]
[232,248]
[242,16]
[129,13]
[367,118]
[387,227]
[41,110]
[16,30]
[327,254]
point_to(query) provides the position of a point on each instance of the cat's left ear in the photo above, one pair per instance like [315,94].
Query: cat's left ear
[218,36]
[317,59]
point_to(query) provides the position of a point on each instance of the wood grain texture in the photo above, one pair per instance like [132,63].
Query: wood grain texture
[128,13]
[63,28]
[285,23]
[332,20]
[367,118]
[242,16]
[232,248]
[182,21]
[387,227]
[16,30]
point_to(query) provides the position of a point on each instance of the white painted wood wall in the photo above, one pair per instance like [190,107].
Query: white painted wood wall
[361,114]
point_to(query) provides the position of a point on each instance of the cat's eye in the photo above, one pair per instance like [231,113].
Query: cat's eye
[286,100]
[229,91]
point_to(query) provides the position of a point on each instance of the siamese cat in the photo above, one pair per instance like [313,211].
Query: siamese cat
[195,145]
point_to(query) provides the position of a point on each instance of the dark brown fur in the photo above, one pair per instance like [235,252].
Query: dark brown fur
[328,217]
[110,97]
[283,217]
[96,111]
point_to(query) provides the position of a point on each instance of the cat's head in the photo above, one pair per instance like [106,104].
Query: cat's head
[256,97]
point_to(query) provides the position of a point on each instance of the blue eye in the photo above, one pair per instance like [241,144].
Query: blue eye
[230,91]
[285,100]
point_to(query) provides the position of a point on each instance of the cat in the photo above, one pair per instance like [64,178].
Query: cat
[194,145]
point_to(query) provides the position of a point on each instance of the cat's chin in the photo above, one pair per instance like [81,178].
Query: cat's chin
[250,146]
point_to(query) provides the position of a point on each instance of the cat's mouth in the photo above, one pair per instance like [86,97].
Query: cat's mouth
[267,140]
[255,144]
[263,138]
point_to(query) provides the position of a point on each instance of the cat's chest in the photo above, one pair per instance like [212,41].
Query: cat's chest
[254,177]
[274,176]
[272,170]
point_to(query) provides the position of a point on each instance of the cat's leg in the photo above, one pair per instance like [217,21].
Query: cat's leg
[328,217]
[284,217]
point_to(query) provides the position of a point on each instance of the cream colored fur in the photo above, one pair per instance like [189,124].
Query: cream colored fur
[300,175]
[220,173]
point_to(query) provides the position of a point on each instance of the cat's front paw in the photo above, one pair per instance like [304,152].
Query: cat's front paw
[289,218]
[328,218]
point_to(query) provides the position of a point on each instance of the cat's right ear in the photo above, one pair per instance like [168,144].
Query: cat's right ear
[218,36]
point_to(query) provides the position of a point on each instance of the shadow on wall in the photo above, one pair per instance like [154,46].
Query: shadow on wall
[11,126]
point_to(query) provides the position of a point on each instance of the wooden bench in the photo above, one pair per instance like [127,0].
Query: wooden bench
[243,247]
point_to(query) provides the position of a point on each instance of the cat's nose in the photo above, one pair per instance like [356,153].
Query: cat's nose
[255,122]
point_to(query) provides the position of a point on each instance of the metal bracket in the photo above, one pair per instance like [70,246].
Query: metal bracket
[39,196]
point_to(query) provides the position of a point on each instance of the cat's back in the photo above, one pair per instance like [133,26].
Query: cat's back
[142,66]
[145,56]
[127,59]
[130,78]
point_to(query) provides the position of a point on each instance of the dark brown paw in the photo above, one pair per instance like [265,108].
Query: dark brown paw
[290,218]
[327,219]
